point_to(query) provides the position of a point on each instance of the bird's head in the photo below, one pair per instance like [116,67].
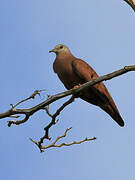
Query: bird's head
[60,48]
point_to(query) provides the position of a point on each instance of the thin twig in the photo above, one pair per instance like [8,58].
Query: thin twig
[19,121]
[47,111]
[53,144]
[36,92]
[14,116]
[53,121]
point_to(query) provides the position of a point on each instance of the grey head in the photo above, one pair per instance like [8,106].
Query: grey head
[60,48]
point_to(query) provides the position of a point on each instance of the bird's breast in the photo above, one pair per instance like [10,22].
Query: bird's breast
[66,74]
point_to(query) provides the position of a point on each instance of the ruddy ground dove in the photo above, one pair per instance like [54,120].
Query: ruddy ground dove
[74,72]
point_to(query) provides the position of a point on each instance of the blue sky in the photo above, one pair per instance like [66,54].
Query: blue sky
[101,33]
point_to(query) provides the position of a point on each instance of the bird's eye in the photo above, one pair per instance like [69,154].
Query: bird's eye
[61,47]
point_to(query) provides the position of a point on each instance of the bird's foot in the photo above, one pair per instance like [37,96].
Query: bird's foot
[76,86]
[77,94]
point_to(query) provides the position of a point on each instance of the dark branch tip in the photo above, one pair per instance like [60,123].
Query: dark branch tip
[9,123]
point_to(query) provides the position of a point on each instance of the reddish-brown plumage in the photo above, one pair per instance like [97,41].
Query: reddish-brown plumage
[73,71]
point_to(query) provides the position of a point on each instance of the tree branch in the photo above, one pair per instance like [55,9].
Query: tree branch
[53,122]
[30,111]
[131,3]
[53,144]
[13,112]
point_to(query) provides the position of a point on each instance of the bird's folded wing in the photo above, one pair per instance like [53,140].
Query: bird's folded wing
[86,73]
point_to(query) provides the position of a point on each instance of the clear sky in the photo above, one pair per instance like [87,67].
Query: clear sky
[101,33]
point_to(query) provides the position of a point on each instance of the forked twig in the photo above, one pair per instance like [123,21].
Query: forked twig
[53,144]
[53,121]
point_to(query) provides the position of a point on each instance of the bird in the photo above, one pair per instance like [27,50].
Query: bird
[73,72]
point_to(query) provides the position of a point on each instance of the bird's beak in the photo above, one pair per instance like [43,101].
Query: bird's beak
[53,50]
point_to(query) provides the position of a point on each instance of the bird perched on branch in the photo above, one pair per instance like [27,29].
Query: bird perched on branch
[74,72]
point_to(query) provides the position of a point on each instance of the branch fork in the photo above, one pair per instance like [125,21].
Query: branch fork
[53,144]
[15,113]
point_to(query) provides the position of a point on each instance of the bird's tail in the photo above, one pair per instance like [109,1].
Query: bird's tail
[114,113]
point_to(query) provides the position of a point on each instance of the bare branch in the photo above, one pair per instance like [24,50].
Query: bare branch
[27,115]
[53,144]
[19,121]
[45,106]
[131,3]
[14,116]
[36,92]
[47,110]
[53,122]
[30,111]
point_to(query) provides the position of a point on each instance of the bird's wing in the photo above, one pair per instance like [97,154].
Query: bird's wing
[86,73]
[97,94]
[83,70]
